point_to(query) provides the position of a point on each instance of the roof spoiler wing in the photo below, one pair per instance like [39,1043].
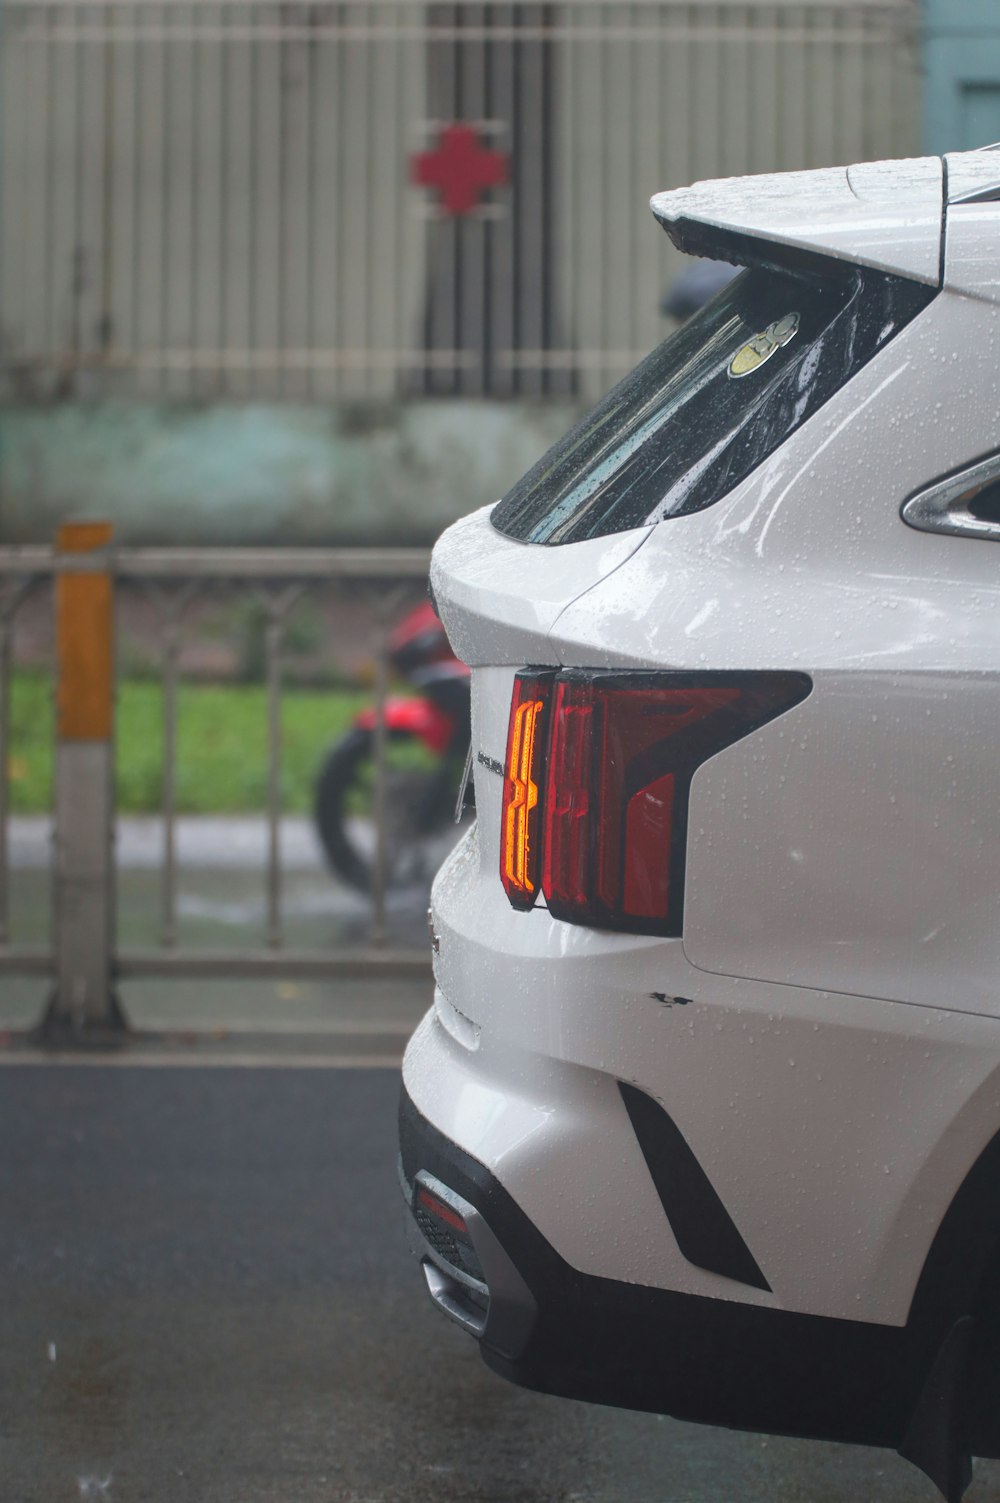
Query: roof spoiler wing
[888,215]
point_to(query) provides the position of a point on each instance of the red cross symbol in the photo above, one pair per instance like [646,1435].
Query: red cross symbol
[460,169]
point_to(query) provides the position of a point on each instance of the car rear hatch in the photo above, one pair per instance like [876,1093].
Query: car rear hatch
[813,234]
[837,261]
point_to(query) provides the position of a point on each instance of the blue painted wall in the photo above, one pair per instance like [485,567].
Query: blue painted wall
[962,74]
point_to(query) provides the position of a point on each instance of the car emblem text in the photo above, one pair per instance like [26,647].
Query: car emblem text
[752,355]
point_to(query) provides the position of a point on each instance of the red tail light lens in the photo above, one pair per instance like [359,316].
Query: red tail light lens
[622,753]
[522,791]
[570,795]
[612,771]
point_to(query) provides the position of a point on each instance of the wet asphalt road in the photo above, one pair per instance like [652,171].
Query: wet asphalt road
[208,1298]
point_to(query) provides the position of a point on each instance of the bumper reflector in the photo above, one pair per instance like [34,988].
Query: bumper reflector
[446,1230]
[442,1211]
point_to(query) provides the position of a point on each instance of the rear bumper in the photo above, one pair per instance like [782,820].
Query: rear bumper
[546,1326]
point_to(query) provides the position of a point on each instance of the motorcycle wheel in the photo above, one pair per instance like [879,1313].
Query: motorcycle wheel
[420,801]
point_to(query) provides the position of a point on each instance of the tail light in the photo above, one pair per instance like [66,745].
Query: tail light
[598,775]
[522,812]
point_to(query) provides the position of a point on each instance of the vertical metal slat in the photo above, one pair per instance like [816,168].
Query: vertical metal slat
[9,603]
[277,608]
[381,777]
[273,649]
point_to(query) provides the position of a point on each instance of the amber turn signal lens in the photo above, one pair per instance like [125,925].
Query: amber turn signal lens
[521,818]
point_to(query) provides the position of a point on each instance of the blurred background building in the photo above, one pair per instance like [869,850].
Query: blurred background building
[340,271]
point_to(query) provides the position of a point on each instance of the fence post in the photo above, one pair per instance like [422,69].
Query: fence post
[84,1000]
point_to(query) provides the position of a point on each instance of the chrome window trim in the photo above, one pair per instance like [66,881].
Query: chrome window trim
[938,508]
[987,195]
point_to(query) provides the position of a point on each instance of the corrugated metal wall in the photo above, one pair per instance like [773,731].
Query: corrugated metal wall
[215,199]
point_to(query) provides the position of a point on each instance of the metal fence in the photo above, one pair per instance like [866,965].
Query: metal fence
[260,198]
[84,957]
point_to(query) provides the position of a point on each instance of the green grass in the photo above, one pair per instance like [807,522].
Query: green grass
[221,744]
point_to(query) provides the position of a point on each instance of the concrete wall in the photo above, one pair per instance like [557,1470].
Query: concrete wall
[264,473]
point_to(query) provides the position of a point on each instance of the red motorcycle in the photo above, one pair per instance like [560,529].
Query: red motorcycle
[427,737]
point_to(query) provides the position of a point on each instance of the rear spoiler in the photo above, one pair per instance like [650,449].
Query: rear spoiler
[886,215]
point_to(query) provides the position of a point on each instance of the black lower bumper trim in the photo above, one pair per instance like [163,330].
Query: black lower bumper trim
[713,1361]
[705,1232]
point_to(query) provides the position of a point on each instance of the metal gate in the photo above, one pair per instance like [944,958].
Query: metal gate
[383,198]
[84,959]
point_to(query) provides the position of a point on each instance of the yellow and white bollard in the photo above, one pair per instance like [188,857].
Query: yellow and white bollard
[84,916]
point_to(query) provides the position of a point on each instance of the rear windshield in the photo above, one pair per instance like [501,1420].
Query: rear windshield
[711,403]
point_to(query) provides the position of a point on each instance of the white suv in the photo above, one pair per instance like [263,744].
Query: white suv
[705,1118]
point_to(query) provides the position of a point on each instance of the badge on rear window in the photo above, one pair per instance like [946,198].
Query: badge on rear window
[752,355]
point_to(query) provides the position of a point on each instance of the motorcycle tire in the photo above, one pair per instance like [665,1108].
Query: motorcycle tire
[420,801]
